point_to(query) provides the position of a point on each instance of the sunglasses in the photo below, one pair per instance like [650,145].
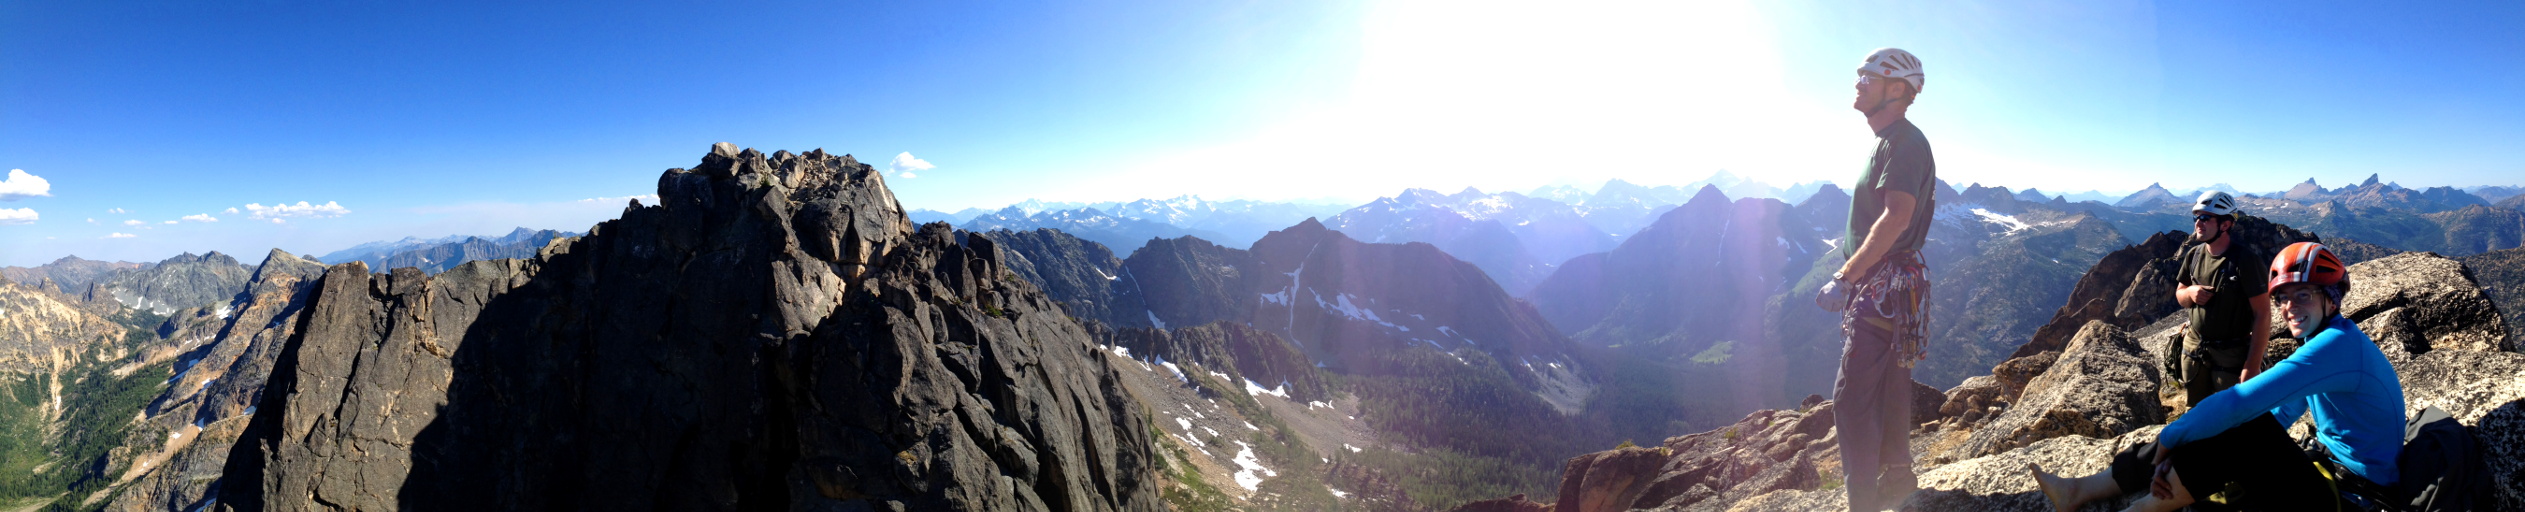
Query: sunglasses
[2205,217]
[2299,296]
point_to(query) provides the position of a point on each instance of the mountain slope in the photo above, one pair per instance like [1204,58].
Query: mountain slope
[774,334]
[180,282]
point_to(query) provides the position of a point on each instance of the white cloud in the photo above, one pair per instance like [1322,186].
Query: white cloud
[905,164]
[170,222]
[302,209]
[117,210]
[91,220]
[279,221]
[17,216]
[198,217]
[230,211]
[21,185]
[133,222]
[121,235]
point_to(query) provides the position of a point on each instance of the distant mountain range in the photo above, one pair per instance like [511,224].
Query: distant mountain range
[438,255]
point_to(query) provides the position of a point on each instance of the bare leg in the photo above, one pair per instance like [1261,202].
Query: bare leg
[2066,493]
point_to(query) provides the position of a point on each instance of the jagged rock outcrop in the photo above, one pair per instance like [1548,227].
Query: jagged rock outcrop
[2502,277]
[225,357]
[773,335]
[2102,385]
[2420,302]
[184,281]
[1075,271]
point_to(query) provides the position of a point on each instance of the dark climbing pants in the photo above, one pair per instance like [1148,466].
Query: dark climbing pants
[2210,369]
[2258,456]
[1872,412]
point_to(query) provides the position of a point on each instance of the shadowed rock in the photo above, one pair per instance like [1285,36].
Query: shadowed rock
[773,335]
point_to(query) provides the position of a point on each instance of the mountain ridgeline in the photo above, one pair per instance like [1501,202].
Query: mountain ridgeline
[773,334]
[777,333]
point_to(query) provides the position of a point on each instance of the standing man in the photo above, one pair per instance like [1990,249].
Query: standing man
[1883,288]
[2220,288]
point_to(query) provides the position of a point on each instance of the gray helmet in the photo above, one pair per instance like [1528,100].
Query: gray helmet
[2215,203]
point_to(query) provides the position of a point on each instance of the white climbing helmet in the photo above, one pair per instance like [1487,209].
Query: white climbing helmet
[1894,63]
[2215,203]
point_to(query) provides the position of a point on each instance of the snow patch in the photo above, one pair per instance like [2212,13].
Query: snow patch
[1252,389]
[1161,324]
[1250,470]
[1337,492]
[2010,221]
[1353,449]
[1179,371]
[225,310]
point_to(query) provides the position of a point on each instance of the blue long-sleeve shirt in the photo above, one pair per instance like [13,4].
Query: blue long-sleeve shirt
[2342,377]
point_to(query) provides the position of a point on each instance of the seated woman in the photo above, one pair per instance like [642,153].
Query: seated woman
[2239,435]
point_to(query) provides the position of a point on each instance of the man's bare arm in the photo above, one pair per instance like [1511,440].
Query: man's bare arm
[1882,236]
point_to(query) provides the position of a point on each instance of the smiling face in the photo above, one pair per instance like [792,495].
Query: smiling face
[2303,307]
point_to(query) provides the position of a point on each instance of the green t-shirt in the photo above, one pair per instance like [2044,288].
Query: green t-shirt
[1901,162]
[2234,280]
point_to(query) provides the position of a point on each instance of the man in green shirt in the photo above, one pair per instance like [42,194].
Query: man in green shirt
[1883,288]
[2219,285]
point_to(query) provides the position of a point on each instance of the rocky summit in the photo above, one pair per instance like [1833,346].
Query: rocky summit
[775,334]
[2067,404]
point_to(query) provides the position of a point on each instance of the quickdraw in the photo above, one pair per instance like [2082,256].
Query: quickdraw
[1895,294]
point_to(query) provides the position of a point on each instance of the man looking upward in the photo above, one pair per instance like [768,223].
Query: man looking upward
[1882,287]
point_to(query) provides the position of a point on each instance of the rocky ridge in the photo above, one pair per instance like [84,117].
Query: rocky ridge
[180,282]
[2065,408]
[223,356]
[774,334]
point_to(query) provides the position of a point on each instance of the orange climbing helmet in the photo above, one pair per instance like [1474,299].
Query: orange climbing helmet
[2311,263]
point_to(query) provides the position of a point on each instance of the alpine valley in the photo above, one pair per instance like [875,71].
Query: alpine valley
[779,332]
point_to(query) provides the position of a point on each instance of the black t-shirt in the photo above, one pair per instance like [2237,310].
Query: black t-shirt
[2234,280]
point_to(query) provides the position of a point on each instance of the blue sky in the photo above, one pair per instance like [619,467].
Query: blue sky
[431,119]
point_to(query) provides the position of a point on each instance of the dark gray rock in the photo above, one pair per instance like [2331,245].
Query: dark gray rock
[1079,273]
[773,335]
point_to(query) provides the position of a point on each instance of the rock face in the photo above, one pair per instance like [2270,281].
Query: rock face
[774,334]
[41,334]
[226,356]
[2502,277]
[2422,302]
[2101,386]
[180,282]
[1077,272]
[2485,390]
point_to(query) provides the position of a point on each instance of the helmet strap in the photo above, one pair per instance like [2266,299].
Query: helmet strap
[2222,233]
